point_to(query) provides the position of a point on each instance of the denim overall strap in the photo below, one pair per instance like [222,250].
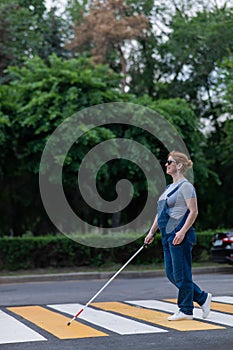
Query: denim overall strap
[176,188]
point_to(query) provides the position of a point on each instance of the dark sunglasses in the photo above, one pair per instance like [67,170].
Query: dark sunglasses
[170,161]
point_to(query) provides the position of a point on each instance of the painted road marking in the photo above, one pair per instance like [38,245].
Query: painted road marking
[55,323]
[110,317]
[214,306]
[13,331]
[156,317]
[114,323]
[228,300]
[216,317]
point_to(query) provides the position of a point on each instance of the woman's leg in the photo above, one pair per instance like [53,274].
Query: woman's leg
[181,256]
[199,295]
[178,267]
[168,263]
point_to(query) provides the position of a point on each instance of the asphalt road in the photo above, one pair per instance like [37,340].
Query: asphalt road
[65,292]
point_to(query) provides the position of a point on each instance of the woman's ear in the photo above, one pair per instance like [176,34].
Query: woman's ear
[179,166]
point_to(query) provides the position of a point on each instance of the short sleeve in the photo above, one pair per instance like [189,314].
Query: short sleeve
[188,191]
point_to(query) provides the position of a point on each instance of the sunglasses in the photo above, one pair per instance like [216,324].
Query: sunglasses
[169,162]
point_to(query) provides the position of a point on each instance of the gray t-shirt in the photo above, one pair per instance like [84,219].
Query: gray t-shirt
[176,203]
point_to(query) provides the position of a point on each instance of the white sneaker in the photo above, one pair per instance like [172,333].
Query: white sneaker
[180,316]
[206,306]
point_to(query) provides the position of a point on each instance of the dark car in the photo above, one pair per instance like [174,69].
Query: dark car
[222,247]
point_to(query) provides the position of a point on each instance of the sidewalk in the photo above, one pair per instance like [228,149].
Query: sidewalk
[69,276]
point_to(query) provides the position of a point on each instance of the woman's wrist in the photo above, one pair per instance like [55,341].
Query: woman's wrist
[151,233]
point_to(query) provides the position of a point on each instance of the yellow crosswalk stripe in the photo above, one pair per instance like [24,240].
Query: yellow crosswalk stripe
[55,323]
[228,308]
[155,317]
[222,307]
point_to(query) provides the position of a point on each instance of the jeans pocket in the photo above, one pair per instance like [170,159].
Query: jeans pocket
[170,239]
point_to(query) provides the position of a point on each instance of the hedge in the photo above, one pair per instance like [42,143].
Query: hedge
[59,251]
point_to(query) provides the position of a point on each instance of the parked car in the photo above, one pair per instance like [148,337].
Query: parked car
[222,247]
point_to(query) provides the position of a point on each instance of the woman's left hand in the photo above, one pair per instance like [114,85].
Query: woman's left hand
[178,239]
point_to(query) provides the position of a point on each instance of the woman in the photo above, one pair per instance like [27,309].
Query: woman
[177,211]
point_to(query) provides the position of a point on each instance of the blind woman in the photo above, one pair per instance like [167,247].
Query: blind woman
[177,211]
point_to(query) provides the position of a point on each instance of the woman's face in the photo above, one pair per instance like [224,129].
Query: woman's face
[171,166]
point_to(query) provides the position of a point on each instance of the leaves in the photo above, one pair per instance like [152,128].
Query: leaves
[174,57]
[106,29]
[37,99]
[27,29]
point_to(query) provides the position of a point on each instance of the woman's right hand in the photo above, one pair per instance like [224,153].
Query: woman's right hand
[149,238]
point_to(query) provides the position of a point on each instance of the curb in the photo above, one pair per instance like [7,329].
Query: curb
[71,276]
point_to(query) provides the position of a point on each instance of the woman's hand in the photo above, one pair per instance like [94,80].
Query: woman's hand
[149,238]
[178,239]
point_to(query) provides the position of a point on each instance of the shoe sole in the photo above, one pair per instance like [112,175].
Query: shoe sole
[181,319]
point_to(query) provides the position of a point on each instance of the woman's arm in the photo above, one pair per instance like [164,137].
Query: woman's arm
[193,212]
[150,237]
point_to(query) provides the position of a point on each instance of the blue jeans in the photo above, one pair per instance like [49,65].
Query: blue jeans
[178,266]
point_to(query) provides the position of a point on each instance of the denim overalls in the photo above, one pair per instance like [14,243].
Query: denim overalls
[178,258]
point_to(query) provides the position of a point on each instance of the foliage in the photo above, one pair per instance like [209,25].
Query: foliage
[179,55]
[192,54]
[217,203]
[225,84]
[179,113]
[59,251]
[37,99]
[115,28]
[28,29]
[42,96]
[174,57]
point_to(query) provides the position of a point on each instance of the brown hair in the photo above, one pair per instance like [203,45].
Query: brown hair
[183,159]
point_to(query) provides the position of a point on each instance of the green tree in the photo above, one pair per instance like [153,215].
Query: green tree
[217,203]
[179,113]
[28,29]
[192,55]
[37,99]
[142,63]
[225,84]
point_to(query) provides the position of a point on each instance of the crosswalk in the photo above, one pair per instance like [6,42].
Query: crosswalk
[102,319]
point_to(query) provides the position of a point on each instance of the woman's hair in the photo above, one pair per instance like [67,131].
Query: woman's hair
[183,159]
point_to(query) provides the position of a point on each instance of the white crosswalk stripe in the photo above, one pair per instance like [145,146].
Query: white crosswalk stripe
[112,322]
[227,300]
[14,331]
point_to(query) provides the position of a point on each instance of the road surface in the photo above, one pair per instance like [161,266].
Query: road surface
[128,314]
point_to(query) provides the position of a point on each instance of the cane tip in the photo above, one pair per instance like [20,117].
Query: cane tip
[69,323]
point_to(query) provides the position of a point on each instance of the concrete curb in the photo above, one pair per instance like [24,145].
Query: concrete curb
[71,276]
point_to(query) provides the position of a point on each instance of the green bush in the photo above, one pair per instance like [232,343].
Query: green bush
[60,251]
